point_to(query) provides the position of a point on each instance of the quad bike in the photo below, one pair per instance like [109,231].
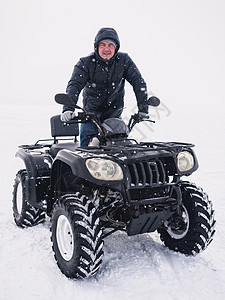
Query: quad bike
[91,192]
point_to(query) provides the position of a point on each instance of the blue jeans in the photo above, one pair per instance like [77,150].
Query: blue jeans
[87,132]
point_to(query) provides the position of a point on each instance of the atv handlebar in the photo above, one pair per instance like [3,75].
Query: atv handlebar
[82,117]
[85,116]
[136,118]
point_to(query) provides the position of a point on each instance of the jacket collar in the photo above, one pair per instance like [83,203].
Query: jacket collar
[104,62]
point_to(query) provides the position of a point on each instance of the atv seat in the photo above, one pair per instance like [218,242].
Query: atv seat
[58,130]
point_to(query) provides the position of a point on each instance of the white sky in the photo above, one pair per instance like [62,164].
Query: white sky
[178,45]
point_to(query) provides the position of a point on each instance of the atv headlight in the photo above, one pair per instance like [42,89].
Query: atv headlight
[185,161]
[104,169]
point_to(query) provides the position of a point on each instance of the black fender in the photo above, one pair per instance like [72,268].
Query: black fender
[76,164]
[38,166]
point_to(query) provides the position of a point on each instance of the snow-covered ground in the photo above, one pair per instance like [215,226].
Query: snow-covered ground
[137,267]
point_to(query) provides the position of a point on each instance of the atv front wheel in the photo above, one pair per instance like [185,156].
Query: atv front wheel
[25,215]
[191,230]
[76,236]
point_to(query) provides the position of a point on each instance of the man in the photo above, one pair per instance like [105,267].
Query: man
[101,76]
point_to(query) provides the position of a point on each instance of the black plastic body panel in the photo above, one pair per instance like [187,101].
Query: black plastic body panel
[79,169]
[150,171]
[38,167]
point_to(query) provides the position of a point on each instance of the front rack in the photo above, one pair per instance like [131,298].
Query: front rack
[150,146]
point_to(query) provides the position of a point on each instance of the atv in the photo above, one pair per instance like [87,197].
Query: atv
[118,184]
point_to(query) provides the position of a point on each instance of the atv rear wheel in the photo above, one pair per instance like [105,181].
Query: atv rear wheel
[76,236]
[191,230]
[25,215]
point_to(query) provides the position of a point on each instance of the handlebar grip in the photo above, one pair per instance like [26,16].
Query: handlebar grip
[73,121]
[81,118]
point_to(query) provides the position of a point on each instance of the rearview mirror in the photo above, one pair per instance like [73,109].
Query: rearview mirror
[153,101]
[65,99]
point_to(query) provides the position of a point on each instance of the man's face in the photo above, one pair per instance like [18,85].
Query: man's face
[106,50]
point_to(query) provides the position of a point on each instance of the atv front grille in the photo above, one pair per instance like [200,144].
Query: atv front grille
[147,173]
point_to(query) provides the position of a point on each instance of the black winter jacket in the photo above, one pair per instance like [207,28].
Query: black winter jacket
[103,81]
